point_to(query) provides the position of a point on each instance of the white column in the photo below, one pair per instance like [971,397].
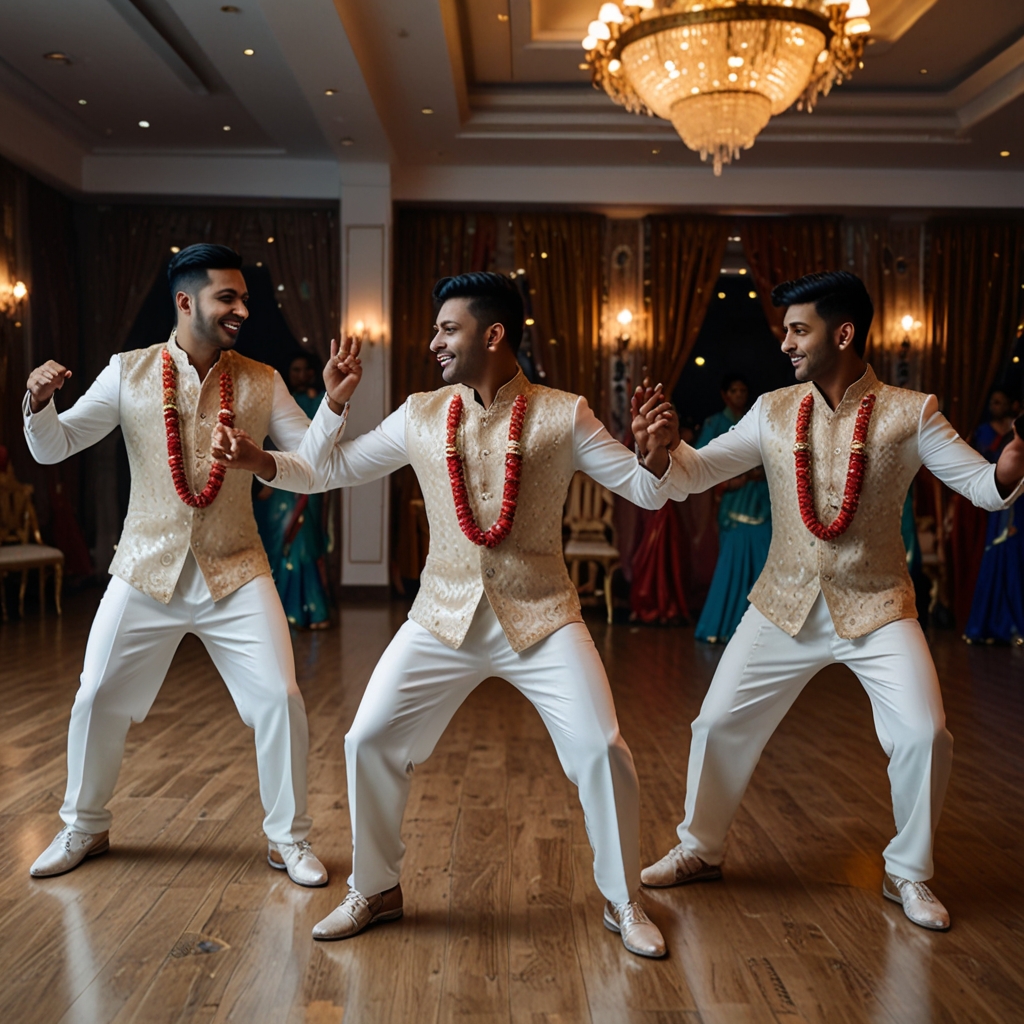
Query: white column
[366,298]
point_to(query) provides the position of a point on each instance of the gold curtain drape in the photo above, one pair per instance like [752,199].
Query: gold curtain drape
[975,303]
[782,248]
[562,254]
[127,246]
[429,245]
[684,260]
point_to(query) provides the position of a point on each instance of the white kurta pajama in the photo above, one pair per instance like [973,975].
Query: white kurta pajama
[849,601]
[177,571]
[510,612]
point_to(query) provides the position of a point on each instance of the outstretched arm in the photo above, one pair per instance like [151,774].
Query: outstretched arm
[51,437]
[963,469]
[728,456]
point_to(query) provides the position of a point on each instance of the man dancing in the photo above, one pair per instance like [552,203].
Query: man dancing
[493,600]
[189,558]
[840,450]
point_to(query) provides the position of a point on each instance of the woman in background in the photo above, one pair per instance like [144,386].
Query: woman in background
[292,525]
[744,527]
[997,612]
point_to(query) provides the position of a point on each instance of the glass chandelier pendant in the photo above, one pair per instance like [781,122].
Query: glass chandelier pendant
[720,69]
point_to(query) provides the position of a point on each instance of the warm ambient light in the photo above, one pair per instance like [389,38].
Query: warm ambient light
[20,290]
[530,321]
[721,295]
[753,295]
[907,323]
[249,52]
[143,124]
[330,92]
[82,103]
[699,360]
[175,248]
[625,317]
[270,240]
[427,110]
[1004,152]
[227,127]
[1016,359]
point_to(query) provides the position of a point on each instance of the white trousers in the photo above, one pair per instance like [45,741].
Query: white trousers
[761,674]
[131,644]
[417,687]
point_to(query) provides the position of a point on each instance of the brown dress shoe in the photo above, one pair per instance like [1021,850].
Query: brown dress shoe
[678,867]
[356,912]
[918,902]
[639,933]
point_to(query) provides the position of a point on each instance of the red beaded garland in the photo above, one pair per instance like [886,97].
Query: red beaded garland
[854,475]
[513,468]
[175,458]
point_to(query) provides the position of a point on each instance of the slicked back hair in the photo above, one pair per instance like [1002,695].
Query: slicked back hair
[188,269]
[839,297]
[493,299]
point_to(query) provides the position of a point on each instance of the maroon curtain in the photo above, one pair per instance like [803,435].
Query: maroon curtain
[783,248]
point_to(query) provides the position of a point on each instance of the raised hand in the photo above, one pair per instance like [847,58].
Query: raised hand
[44,380]
[342,372]
[237,450]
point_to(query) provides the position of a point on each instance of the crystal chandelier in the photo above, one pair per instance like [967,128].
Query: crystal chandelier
[718,70]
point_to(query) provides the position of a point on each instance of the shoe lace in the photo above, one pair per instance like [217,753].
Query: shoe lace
[303,847]
[354,901]
[921,892]
[67,833]
[630,913]
[682,856]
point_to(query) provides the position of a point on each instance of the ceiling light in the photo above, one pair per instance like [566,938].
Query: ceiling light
[143,124]
[175,248]
[923,71]
[610,13]
[742,270]
[1016,359]
[752,295]
[1006,152]
[543,255]
[427,110]
[82,103]
[530,321]
[56,55]
[717,99]
[249,52]
[907,322]
[721,295]
[330,92]
[655,152]
[699,360]
[227,127]
[583,67]
[270,240]
[348,141]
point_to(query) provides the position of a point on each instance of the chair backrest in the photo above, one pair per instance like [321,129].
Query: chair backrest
[590,510]
[18,522]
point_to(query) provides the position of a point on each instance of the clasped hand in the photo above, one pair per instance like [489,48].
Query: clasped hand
[237,450]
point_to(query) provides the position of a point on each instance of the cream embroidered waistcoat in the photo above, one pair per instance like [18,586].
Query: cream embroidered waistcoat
[863,573]
[524,577]
[160,528]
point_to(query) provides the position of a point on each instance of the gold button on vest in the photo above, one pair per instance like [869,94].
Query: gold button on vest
[524,577]
[160,528]
[862,573]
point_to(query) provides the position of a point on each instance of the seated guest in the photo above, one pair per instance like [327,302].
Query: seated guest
[744,527]
[997,611]
[292,525]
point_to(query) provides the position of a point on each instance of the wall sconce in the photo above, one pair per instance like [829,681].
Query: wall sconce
[362,332]
[908,323]
[11,296]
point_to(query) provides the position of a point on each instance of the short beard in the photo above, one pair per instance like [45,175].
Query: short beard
[208,329]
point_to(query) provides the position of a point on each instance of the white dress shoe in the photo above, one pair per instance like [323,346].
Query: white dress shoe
[356,912]
[299,860]
[918,902]
[639,933]
[68,849]
[678,867]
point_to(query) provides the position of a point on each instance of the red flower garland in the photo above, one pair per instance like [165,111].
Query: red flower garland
[854,475]
[513,468]
[172,424]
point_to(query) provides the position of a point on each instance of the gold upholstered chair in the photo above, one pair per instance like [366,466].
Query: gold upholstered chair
[21,546]
[589,515]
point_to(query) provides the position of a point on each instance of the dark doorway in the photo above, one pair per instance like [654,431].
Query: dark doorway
[735,338]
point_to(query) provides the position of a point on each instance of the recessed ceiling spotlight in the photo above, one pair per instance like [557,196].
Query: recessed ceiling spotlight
[1005,152]
[330,92]
[583,67]
[348,141]
[270,241]
[427,110]
[655,152]
[143,124]
[227,127]
[248,51]
[82,103]
[175,248]
[58,56]
[923,71]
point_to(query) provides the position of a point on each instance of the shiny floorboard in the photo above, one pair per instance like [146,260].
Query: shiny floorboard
[184,921]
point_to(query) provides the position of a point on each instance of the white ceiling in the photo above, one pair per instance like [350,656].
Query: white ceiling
[501,77]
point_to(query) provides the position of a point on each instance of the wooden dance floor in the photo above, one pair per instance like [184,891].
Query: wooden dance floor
[184,921]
